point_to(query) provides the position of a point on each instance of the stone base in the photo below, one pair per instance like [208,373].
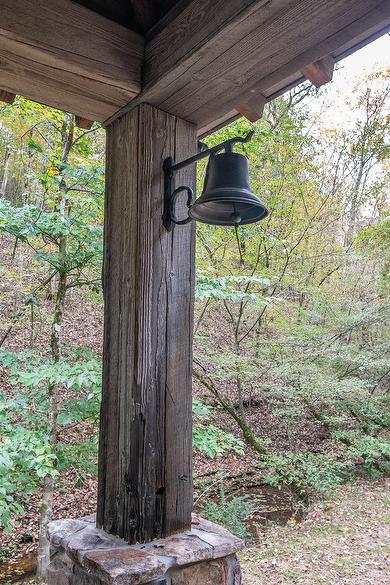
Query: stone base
[84,555]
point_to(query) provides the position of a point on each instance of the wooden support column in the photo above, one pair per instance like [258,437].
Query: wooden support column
[145,480]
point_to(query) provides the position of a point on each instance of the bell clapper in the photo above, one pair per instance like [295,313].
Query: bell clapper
[236,218]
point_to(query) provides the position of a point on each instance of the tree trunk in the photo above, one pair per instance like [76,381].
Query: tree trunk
[48,484]
[245,427]
[4,180]
[55,346]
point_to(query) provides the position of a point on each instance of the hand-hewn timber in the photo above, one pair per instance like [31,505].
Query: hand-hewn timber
[200,67]
[67,56]
[7,97]
[145,484]
[320,72]
[201,62]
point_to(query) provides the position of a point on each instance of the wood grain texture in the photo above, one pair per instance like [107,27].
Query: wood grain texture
[320,72]
[145,483]
[138,15]
[341,45]
[268,53]
[200,67]
[7,97]
[47,45]
[200,23]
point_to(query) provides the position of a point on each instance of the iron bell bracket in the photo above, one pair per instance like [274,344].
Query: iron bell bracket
[170,167]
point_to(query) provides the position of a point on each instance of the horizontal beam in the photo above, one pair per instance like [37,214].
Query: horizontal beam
[202,69]
[289,83]
[66,56]
[207,70]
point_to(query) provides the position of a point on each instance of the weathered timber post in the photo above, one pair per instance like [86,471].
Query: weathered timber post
[145,481]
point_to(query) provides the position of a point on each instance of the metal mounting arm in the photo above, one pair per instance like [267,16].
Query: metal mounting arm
[170,167]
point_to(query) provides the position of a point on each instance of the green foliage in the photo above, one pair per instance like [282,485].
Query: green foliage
[231,512]
[210,439]
[215,442]
[320,355]
[231,288]
[307,473]
[373,452]
[32,225]
[26,456]
[373,241]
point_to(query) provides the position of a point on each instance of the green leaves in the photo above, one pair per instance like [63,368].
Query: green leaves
[231,288]
[232,512]
[306,473]
[32,370]
[25,458]
[215,442]
[25,452]
[35,226]
[210,439]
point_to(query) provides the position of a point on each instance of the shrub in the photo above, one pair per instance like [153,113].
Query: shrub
[210,439]
[231,512]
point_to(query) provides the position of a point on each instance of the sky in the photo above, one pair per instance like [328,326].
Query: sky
[371,56]
[374,56]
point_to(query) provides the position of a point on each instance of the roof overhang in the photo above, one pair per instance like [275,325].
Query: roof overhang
[206,61]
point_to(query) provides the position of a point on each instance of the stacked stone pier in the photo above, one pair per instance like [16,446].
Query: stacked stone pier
[82,554]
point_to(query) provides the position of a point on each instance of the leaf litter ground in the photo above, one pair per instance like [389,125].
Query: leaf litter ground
[344,540]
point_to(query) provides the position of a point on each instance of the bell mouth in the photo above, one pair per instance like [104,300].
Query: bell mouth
[228,211]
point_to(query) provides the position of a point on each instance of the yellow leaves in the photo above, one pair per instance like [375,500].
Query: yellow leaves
[53,171]
[331,133]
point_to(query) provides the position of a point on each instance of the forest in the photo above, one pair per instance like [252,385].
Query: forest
[291,368]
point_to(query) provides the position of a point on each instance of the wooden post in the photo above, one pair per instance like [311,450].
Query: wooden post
[145,479]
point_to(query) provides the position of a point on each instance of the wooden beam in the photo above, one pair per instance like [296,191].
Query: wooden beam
[7,97]
[341,44]
[64,55]
[320,72]
[200,68]
[83,123]
[139,15]
[145,486]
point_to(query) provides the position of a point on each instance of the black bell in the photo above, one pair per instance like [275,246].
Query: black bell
[227,198]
